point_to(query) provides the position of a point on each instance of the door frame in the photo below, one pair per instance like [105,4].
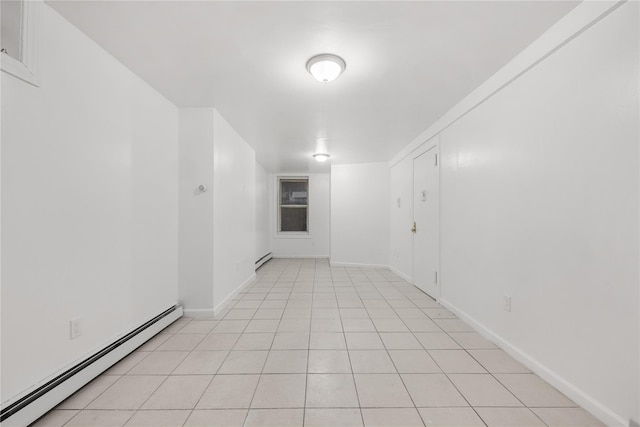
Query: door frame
[432,144]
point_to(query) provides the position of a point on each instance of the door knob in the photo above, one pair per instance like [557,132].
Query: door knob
[413,229]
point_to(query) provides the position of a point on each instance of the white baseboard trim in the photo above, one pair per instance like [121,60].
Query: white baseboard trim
[53,396]
[299,256]
[199,313]
[401,274]
[356,264]
[218,308]
[596,408]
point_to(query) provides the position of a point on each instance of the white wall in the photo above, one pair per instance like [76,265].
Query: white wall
[196,209]
[539,201]
[263,238]
[234,183]
[360,214]
[89,205]
[316,243]
[217,227]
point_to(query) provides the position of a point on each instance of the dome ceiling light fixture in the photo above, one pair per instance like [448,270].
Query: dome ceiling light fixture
[326,67]
[321,157]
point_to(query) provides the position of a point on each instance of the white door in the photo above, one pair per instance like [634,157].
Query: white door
[426,217]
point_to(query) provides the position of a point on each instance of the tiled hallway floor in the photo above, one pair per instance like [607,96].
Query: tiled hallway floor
[309,345]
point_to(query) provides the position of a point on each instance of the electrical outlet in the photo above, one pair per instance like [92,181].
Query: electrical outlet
[75,328]
[506,302]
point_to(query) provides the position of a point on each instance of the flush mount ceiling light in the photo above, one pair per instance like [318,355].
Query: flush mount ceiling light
[321,157]
[326,67]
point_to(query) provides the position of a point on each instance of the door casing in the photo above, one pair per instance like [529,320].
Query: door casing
[426,253]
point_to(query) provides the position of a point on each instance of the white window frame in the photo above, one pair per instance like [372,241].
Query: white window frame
[294,234]
[26,67]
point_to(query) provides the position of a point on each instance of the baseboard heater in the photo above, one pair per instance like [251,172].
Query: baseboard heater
[262,260]
[45,397]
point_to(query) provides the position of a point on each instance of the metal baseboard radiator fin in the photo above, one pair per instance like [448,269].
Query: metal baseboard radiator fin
[263,260]
[39,401]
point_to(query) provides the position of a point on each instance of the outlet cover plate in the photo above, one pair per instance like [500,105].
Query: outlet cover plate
[75,328]
[506,302]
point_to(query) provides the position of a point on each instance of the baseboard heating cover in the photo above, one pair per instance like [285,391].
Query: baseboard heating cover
[31,406]
[262,260]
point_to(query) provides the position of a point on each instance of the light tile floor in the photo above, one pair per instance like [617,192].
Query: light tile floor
[309,345]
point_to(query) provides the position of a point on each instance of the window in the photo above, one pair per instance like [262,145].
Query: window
[11,12]
[293,205]
[19,37]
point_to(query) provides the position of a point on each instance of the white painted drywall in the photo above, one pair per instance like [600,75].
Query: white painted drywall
[89,205]
[234,181]
[539,201]
[196,209]
[360,214]
[316,243]
[263,240]
[217,227]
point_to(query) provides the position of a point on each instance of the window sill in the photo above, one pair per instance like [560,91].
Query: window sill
[17,69]
[292,236]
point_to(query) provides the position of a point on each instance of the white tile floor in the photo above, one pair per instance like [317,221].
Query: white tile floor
[308,345]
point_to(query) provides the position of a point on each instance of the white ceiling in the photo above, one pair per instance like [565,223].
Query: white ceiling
[407,64]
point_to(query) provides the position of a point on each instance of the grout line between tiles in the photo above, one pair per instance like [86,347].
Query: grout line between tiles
[353,375]
[324,292]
